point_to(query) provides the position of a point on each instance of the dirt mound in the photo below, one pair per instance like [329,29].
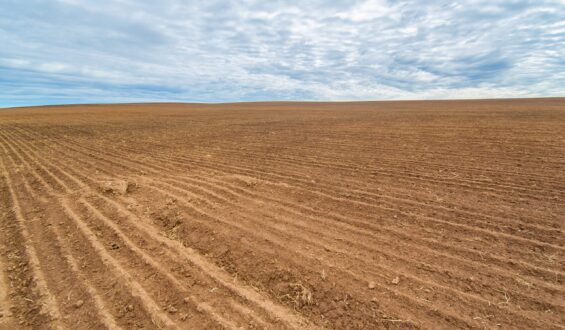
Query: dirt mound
[116,186]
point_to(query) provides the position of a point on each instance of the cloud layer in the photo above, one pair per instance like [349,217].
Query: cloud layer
[70,51]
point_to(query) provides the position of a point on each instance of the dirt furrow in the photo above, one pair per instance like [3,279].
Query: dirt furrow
[137,288]
[275,241]
[370,175]
[524,225]
[305,162]
[48,306]
[439,222]
[349,224]
[219,276]
[299,237]
[126,300]
[434,215]
[302,181]
[187,292]
[317,224]
[201,305]
[157,317]
[481,256]
[106,318]
[250,296]
[432,219]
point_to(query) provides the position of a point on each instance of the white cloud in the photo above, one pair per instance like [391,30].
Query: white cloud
[14,62]
[53,67]
[228,51]
[367,10]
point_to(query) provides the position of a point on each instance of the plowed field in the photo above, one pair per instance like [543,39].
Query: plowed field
[443,214]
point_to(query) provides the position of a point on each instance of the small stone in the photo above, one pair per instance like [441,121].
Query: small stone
[172,309]
[200,308]
[186,300]
[79,304]
[129,308]
[372,285]
[396,280]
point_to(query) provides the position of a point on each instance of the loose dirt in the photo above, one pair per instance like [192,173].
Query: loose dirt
[436,215]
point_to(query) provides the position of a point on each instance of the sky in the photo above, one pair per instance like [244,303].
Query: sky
[106,51]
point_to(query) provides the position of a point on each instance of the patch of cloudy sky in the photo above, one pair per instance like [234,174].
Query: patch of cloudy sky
[77,51]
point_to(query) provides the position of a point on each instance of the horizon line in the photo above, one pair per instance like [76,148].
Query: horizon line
[286,101]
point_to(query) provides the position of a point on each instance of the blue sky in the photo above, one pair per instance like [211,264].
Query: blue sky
[78,51]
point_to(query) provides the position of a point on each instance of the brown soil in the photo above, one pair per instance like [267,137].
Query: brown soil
[437,215]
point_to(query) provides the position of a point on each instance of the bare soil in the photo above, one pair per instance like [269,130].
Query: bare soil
[436,215]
